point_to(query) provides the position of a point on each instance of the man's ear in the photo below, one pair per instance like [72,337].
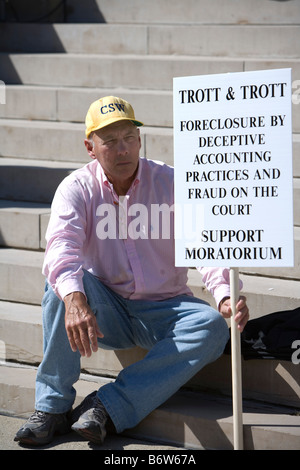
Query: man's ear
[90,147]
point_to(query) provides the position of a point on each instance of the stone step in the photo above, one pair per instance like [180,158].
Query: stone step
[20,333]
[21,339]
[154,107]
[296,151]
[152,72]
[188,419]
[21,277]
[33,11]
[296,185]
[74,38]
[17,177]
[264,295]
[22,281]
[42,140]
[45,103]
[189,12]
[228,41]
[129,71]
[113,444]
[30,139]
[192,40]
[24,224]
[287,273]
[155,12]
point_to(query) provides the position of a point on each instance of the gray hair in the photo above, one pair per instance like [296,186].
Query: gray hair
[90,139]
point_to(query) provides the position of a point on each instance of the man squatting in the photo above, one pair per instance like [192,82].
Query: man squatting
[118,292]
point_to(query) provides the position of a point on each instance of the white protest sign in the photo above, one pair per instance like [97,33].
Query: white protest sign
[233,169]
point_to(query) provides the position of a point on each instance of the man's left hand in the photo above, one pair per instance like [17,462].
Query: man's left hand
[242,311]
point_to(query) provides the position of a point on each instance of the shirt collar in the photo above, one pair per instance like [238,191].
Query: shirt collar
[102,177]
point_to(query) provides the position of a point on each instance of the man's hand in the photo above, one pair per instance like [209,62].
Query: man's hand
[242,311]
[81,324]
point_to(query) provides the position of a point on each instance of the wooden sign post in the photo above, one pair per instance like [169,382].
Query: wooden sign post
[237,396]
[233,180]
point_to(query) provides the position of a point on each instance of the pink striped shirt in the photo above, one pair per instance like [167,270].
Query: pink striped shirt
[119,240]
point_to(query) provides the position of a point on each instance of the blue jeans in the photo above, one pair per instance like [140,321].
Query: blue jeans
[181,334]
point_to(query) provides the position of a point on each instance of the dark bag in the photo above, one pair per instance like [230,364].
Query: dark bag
[270,336]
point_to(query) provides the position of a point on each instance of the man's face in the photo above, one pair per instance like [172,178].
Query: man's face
[117,147]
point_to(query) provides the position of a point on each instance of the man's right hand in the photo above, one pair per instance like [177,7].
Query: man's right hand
[81,324]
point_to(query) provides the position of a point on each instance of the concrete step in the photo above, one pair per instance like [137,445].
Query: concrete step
[154,107]
[22,322]
[30,139]
[271,381]
[71,104]
[17,177]
[264,295]
[191,420]
[33,11]
[22,281]
[296,151]
[189,12]
[193,40]
[33,219]
[74,38]
[296,185]
[287,273]
[129,71]
[151,72]
[193,12]
[113,446]
[23,224]
[157,144]
[21,277]
[228,41]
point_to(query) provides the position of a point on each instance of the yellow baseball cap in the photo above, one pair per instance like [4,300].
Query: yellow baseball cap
[106,111]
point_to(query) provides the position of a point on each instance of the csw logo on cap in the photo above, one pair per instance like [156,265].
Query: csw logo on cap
[106,111]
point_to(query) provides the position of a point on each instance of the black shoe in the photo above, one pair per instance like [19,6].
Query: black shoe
[41,427]
[92,423]
[83,407]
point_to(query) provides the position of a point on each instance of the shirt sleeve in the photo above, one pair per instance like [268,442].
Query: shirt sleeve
[65,236]
[217,281]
